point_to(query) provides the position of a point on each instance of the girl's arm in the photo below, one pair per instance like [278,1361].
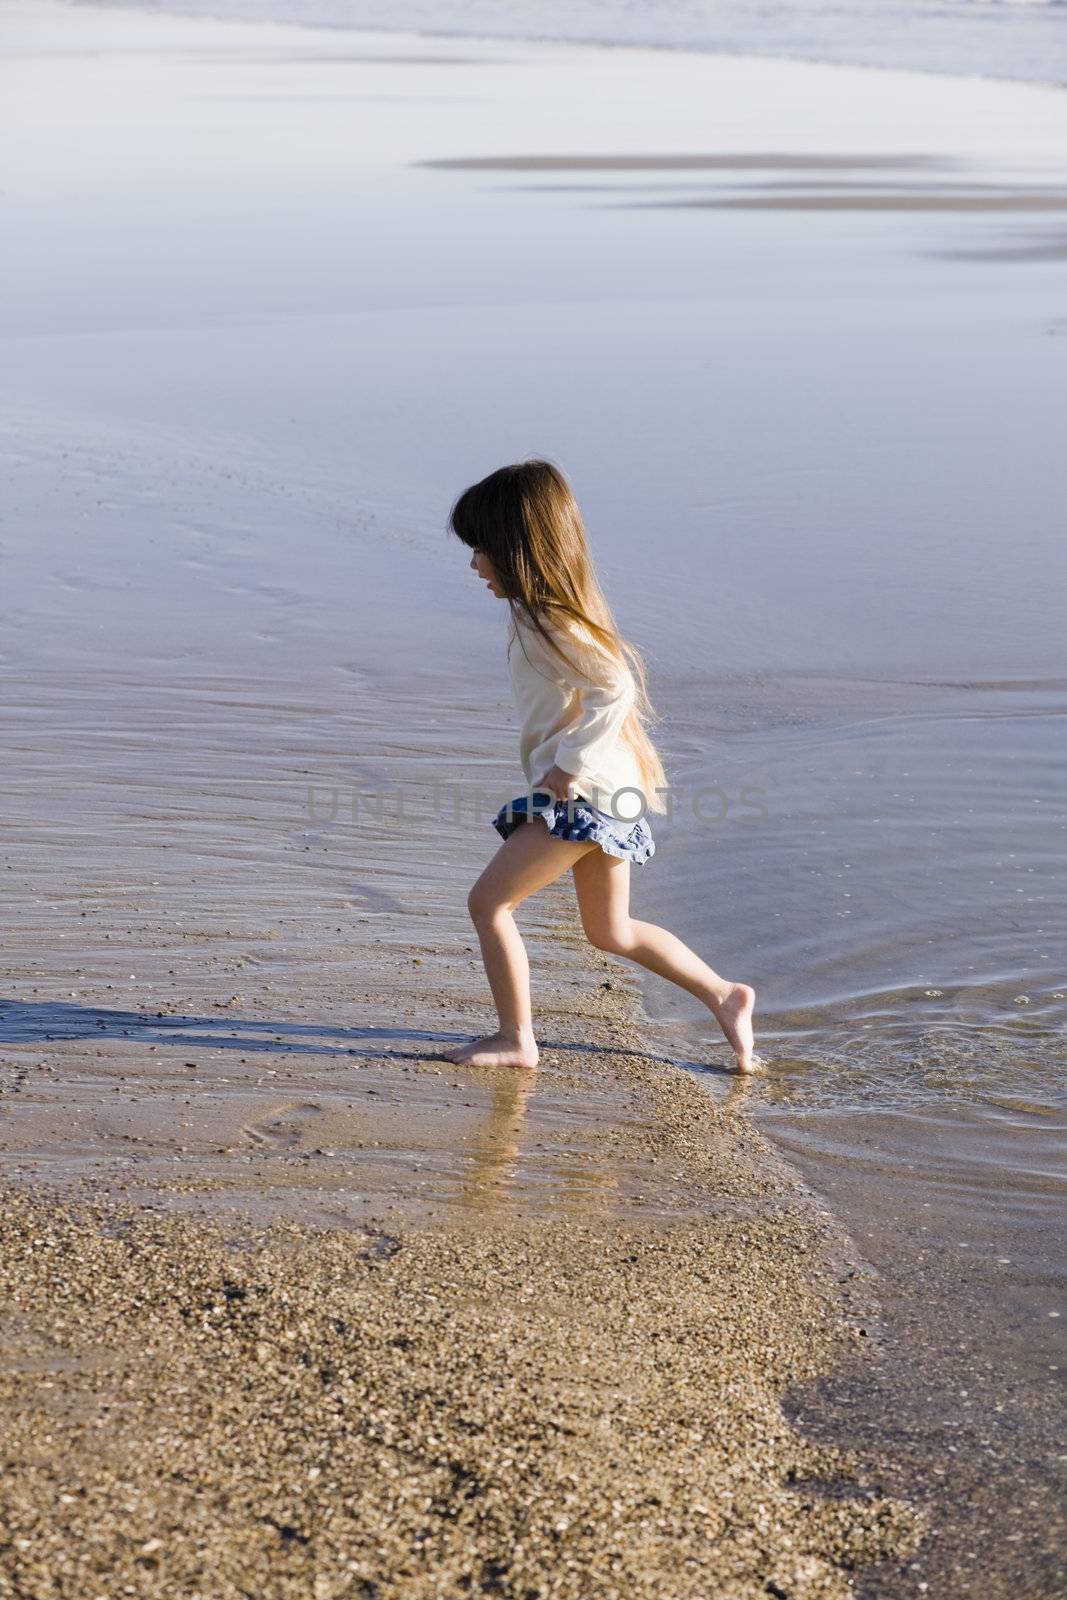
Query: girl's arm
[605,689]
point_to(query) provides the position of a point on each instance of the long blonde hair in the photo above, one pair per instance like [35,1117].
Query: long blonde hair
[526,520]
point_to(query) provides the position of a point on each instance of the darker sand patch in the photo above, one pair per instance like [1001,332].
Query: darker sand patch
[913,201]
[774,185]
[682,163]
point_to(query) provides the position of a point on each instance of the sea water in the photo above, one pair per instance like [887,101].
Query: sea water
[1024,39]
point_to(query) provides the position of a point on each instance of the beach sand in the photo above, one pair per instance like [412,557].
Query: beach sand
[546,1354]
[562,1408]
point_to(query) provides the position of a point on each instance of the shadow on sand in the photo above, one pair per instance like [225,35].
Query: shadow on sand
[36,1022]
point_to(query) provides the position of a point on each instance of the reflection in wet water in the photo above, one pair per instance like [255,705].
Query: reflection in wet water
[485,1183]
[272,1115]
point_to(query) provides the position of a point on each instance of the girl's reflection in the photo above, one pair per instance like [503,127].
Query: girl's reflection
[489,1182]
[573,1182]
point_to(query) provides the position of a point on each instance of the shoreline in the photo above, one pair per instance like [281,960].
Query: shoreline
[575,1296]
[420,1399]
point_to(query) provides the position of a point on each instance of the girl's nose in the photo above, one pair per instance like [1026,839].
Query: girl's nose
[474,563]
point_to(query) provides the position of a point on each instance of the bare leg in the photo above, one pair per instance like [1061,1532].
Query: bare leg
[602,883]
[528,860]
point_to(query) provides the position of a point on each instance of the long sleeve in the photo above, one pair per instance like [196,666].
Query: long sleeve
[604,688]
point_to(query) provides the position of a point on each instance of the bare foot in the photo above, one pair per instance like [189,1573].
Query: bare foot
[495,1050]
[734,1016]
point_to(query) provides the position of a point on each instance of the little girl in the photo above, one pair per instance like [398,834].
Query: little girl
[580,691]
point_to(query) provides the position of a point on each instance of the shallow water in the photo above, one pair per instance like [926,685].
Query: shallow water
[899,901]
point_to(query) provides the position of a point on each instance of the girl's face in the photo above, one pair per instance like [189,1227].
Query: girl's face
[481,564]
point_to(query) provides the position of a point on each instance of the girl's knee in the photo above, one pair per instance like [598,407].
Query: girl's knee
[483,905]
[477,902]
[613,937]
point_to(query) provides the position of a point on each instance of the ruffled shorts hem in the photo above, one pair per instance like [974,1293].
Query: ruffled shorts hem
[627,841]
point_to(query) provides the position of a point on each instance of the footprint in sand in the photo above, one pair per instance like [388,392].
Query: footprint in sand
[283,1129]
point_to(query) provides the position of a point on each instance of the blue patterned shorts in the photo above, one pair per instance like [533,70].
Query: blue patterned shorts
[630,841]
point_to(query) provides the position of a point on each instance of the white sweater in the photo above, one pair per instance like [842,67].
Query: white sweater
[572,721]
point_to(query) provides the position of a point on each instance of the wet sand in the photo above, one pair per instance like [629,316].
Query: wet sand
[759,161]
[880,202]
[370,1320]
[292,1305]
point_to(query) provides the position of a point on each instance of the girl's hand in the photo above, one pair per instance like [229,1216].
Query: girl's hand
[557,782]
